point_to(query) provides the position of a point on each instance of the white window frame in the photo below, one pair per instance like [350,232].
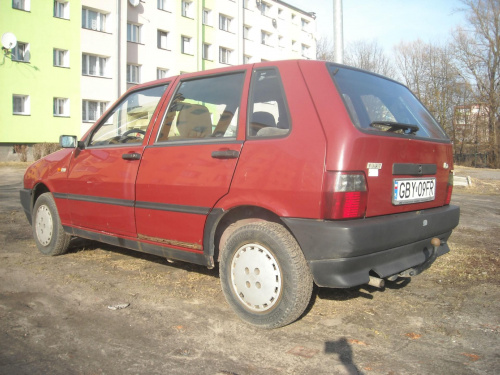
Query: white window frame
[246,32]
[23,101]
[265,9]
[207,51]
[99,24]
[187,9]
[163,39]
[61,58]
[161,73]
[225,23]
[265,38]
[247,59]
[225,55]
[304,24]
[100,66]
[21,52]
[133,73]
[91,115]
[305,50]
[207,17]
[21,5]
[186,45]
[163,5]
[61,107]
[61,9]
[134,32]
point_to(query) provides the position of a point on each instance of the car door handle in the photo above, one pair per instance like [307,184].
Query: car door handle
[226,154]
[131,156]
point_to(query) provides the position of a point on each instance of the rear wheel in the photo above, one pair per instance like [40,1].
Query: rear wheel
[264,275]
[48,232]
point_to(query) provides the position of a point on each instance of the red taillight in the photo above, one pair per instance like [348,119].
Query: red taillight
[449,188]
[345,195]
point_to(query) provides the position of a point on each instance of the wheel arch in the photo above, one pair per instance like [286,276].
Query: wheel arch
[221,223]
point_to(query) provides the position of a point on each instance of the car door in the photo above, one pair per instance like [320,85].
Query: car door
[101,176]
[189,165]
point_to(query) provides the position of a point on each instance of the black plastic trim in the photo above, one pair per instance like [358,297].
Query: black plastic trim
[414,169]
[163,251]
[93,199]
[26,202]
[173,208]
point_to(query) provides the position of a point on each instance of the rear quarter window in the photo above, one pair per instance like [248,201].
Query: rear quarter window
[379,104]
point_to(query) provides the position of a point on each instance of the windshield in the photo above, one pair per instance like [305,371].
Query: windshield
[381,105]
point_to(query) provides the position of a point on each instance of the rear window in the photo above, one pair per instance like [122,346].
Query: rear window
[381,105]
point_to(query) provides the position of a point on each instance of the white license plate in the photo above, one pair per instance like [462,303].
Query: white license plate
[414,190]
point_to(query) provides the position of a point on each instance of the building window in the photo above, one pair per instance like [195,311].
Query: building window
[93,20]
[294,45]
[246,32]
[265,9]
[186,45]
[21,104]
[61,9]
[187,9]
[133,73]
[61,58]
[207,51]
[280,13]
[305,51]
[207,17]
[225,55]
[305,24]
[224,22]
[161,73]
[163,39]
[94,65]
[92,110]
[247,59]
[265,38]
[21,4]
[162,4]
[133,33]
[61,107]
[21,52]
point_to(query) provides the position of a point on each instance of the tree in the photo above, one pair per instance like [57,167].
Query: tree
[324,49]
[369,56]
[477,50]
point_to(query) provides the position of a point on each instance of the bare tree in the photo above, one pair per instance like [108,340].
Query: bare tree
[324,49]
[369,56]
[477,50]
[430,72]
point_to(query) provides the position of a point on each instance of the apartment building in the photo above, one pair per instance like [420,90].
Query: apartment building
[128,42]
[76,57]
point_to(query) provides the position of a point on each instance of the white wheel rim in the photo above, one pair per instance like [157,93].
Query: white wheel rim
[256,277]
[44,225]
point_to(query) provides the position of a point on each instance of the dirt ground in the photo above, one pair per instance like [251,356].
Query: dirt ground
[54,315]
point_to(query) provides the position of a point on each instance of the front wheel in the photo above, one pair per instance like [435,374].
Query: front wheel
[48,232]
[264,275]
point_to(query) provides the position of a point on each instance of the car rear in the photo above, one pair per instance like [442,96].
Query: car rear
[387,180]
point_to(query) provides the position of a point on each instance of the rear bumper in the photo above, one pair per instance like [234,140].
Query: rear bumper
[341,254]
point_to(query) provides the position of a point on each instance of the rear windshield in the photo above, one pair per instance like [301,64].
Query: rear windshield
[381,105]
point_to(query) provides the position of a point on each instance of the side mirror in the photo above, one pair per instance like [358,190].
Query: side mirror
[68,141]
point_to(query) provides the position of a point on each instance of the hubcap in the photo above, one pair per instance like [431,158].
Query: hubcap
[256,277]
[44,225]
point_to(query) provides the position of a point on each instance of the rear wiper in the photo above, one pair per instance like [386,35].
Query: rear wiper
[390,126]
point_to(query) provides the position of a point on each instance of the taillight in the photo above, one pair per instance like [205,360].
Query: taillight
[449,188]
[345,195]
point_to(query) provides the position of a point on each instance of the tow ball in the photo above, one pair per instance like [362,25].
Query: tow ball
[414,271]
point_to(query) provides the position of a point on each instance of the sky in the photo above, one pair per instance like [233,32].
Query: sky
[388,22]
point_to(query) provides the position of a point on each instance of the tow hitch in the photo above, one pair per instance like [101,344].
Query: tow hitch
[414,271]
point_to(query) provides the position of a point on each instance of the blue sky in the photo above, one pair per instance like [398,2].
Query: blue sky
[388,21]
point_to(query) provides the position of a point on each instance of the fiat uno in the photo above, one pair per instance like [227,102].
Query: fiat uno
[284,174]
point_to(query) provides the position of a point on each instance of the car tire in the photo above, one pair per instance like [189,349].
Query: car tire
[264,275]
[49,235]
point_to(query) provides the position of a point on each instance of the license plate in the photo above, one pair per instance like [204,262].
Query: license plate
[414,190]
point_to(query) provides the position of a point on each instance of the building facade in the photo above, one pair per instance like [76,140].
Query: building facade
[40,77]
[91,51]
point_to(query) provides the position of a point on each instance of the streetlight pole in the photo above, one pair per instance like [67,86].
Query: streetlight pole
[338,44]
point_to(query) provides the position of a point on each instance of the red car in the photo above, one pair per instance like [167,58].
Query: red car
[285,173]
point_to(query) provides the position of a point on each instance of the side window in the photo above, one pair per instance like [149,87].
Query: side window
[204,108]
[268,114]
[129,119]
